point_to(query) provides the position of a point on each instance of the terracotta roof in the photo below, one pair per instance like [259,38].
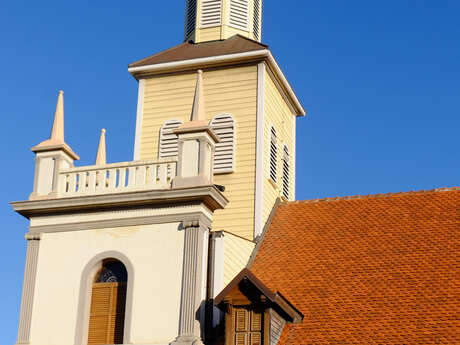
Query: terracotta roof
[379,269]
[188,50]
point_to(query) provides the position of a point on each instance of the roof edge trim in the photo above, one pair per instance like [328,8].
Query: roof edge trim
[227,58]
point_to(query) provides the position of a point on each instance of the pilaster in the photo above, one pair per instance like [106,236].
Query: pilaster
[192,315]
[30,273]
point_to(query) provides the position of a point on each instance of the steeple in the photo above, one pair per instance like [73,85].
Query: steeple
[211,20]
[101,153]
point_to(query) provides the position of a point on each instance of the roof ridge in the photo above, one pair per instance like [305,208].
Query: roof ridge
[373,196]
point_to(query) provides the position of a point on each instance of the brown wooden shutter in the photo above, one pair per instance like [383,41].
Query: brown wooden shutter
[107,313]
[248,326]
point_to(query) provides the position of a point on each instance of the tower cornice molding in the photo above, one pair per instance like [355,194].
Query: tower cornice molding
[209,195]
[257,56]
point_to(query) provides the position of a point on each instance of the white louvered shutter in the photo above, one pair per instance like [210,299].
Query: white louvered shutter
[190,17]
[239,14]
[286,172]
[211,13]
[224,158]
[257,19]
[273,154]
[168,140]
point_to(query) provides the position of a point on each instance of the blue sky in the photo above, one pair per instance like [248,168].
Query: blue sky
[380,81]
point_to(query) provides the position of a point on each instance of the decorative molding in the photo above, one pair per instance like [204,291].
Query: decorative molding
[260,152]
[263,54]
[125,213]
[209,195]
[36,236]
[101,224]
[139,119]
[28,290]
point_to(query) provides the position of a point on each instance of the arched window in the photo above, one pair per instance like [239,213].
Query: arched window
[168,140]
[108,303]
[273,154]
[286,171]
[224,158]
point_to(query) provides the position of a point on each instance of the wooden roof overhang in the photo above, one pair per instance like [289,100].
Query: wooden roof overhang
[257,292]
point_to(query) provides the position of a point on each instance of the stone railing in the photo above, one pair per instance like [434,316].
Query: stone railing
[116,178]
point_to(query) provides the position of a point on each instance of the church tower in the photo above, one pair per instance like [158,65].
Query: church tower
[248,102]
[132,252]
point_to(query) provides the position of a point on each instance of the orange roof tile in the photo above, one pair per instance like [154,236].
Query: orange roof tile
[379,269]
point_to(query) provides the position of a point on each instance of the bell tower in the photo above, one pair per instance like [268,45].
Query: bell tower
[212,20]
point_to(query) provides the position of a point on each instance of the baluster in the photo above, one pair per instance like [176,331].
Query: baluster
[112,178]
[141,176]
[162,174]
[131,177]
[92,181]
[81,183]
[122,179]
[72,183]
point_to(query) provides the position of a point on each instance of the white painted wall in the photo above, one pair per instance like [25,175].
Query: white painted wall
[155,252]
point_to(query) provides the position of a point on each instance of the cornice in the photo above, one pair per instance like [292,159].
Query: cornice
[223,60]
[208,195]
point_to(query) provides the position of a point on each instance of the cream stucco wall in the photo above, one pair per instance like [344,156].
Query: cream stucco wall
[230,90]
[154,251]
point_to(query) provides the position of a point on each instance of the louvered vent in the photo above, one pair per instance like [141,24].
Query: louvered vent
[190,17]
[286,171]
[211,13]
[239,14]
[168,140]
[224,158]
[257,16]
[273,154]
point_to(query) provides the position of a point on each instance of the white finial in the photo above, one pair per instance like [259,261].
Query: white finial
[101,153]
[198,111]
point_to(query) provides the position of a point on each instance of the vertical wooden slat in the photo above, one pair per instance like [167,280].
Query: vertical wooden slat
[107,313]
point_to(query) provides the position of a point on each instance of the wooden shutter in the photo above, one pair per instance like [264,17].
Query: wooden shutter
[224,157]
[286,172]
[107,315]
[239,14]
[273,154]
[248,326]
[168,140]
[257,19]
[211,13]
[190,17]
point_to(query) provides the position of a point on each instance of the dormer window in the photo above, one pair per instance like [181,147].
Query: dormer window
[254,315]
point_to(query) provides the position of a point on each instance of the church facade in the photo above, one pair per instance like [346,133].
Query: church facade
[214,149]
[199,239]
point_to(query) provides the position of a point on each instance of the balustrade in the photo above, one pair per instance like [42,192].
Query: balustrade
[116,178]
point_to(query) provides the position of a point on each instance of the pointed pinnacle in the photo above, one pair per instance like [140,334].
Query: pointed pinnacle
[57,133]
[198,111]
[101,153]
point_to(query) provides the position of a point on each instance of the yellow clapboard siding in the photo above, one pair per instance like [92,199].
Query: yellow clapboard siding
[278,114]
[236,255]
[226,90]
